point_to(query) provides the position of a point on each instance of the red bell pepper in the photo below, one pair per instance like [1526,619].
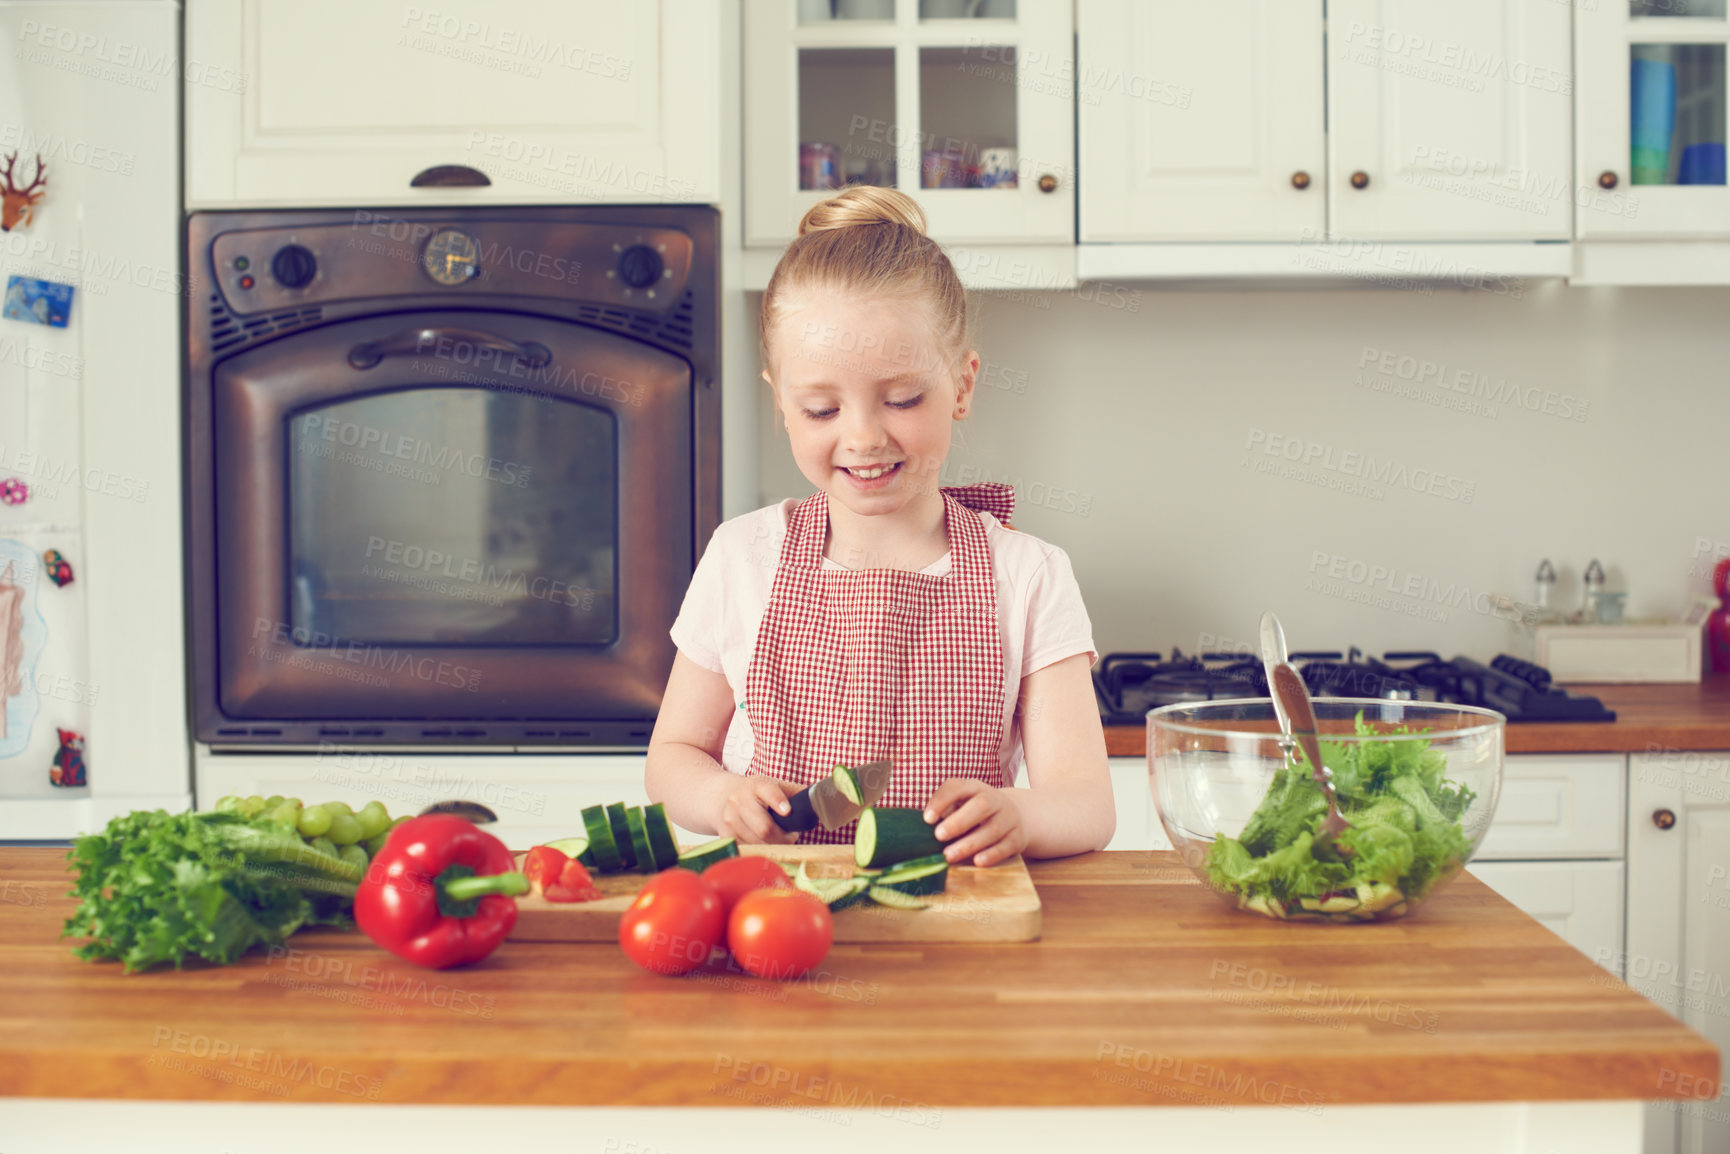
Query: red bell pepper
[439,893]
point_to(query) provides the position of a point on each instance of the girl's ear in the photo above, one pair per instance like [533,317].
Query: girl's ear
[775,398]
[965,380]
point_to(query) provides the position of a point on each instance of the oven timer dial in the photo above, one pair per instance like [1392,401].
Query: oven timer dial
[451,256]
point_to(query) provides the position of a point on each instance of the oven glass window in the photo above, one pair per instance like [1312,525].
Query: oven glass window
[454,516]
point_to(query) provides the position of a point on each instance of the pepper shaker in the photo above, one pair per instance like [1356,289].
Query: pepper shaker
[1544,586]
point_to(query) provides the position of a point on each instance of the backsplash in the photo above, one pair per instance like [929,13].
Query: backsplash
[1372,465]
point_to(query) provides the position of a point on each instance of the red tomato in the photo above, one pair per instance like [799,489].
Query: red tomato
[573,884]
[675,923]
[735,877]
[779,933]
[542,867]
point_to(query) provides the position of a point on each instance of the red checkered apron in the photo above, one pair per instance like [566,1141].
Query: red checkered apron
[851,666]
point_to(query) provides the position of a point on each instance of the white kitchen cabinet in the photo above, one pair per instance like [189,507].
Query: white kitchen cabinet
[972,115]
[1579,902]
[1201,121]
[1449,121]
[1437,147]
[1679,920]
[1678,50]
[326,102]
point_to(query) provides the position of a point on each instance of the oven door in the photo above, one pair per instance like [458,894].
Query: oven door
[448,516]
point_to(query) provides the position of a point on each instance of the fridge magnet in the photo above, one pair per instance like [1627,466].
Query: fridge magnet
[18,205]
[68,767]
[58,568]
[38,302]
[22,636]
[13,491]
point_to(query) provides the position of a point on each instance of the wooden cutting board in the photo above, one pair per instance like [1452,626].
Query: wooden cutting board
[981,905]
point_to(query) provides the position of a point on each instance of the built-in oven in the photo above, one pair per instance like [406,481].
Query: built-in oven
[449,470]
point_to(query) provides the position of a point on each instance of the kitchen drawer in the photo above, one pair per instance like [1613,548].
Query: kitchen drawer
[1564,806]
[1137,821]
[538,797]
[1578,901]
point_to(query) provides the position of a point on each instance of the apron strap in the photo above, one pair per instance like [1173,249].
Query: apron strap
[992,497]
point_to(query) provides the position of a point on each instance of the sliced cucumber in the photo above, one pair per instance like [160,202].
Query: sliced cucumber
[926,875]
[622,834]
[887,836]
[601,846]
[836,893]
[895,899]
[661,843]
[700,858]
[577,847]
[640,841]
[847,781]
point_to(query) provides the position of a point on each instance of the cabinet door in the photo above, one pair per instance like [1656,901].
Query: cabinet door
[1449,121]
[1200,121]
[1137,819]
[1578,901]
[966,105]
[1650,118]
[1679,920]
[327,102]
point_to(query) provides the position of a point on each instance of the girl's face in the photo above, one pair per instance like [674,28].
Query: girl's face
[868,397]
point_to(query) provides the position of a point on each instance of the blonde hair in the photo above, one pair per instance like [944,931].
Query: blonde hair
[870,241]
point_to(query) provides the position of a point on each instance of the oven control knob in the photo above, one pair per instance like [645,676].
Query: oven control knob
[293,266]
[639,266]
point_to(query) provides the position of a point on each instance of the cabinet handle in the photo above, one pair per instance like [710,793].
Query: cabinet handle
[1048,183]
[1300,180]
[1663,818]
[1360,179]
[1606,179]
[449,176]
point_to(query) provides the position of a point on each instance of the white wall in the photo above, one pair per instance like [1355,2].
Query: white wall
[1148,408]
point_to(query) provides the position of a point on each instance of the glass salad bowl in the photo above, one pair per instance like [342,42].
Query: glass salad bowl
[1417,780]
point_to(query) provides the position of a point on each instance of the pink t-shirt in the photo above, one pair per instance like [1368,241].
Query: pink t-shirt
[1038,607]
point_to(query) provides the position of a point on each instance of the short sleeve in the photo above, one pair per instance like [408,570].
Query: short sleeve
[1057,621]
[697,629]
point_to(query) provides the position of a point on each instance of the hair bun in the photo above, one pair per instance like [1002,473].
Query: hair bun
[863,204]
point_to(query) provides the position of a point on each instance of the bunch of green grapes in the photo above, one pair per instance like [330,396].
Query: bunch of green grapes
[355,836]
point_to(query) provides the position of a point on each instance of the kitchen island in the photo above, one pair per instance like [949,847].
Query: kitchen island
[1464,1026]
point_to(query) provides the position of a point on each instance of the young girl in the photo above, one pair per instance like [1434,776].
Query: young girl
[883,616]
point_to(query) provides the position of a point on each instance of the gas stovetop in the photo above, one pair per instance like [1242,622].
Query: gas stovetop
[1130,684]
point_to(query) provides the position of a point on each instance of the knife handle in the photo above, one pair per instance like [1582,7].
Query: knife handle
[802,816]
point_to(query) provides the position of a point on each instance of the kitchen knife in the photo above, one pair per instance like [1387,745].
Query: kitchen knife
[826,803]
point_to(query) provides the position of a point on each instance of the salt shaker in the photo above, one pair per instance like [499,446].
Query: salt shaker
[1592,584]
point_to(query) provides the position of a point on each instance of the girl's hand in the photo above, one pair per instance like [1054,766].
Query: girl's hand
[745,810]
[988,817]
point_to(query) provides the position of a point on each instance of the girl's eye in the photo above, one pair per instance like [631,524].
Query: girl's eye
[909,403]
[819,414]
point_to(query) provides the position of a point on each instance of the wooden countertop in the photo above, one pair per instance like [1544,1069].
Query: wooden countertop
[1145,991]
[1687,716]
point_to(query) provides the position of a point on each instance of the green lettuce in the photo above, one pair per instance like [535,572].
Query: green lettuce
[1406,834]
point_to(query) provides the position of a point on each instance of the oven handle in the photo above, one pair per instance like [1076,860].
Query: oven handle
[368,354]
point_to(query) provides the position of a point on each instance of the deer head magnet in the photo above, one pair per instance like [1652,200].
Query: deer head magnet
[19,204]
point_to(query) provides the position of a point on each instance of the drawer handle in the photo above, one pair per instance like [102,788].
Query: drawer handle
[1300,180]
[449,176]
[1047,183]
[1360,180]
[1606,179]
[1664,818]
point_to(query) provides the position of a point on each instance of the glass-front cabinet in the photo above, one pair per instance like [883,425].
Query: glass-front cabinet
[1651,108]
[968,105]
